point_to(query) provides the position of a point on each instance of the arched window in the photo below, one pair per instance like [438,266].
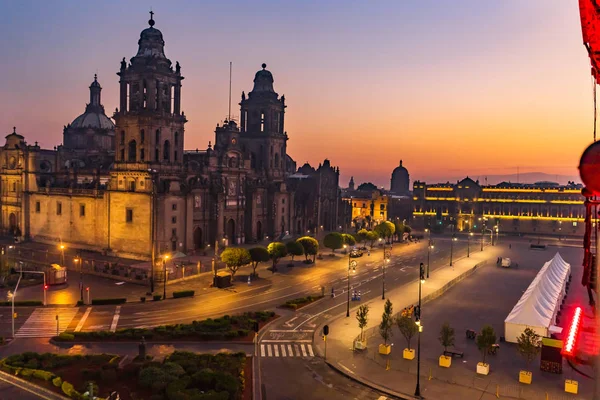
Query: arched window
[276,160]
[176,138]
[122,137]
[157,138]
[142,137]
[167,151]
[156,155]
[122,154]
[142,155]
[132,151]
[145,95]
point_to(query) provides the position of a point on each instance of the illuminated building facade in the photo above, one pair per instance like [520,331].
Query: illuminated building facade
[129,188]
[540,208]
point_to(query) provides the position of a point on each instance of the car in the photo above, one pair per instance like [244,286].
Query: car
[355,253]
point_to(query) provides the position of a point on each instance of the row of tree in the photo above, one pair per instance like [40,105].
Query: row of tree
[385,230]
[238,257]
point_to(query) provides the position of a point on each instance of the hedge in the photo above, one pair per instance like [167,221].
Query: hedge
[302,301]
[22,303]
[183,293]
[99,302]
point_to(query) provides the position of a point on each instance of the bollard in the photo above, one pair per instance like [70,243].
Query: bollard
[387,365]
[430,376]
[332,293]
[497,391]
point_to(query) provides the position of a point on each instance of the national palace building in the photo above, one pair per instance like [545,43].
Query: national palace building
[127,186]
[540,208]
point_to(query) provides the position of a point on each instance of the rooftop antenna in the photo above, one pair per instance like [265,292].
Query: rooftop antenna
[229,113]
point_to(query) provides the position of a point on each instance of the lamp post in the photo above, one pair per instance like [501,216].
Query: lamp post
[469,243]
[153,173]
[454,239]
[79,260]
[418,322]
[351,265]
[497,228]
[165,259]
[482,230]
[62,252]
[429,247]
[386,259]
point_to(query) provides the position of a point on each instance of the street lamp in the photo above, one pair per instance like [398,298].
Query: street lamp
[469,243]
[165,259]
[153,176]
[386,259]
[62,251]
[418,322]
[351,265]
[454,239]
[482,230]
[497,229]
[79,260]
[429,247]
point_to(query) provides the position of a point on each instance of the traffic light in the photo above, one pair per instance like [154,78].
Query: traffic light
[421,272]
[87,289]
[45,287]
[593,274]
[417,313]
[326,330]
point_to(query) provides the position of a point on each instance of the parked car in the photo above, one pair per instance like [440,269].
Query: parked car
[355,253]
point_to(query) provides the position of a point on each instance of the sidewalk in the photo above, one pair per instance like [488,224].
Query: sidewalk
[399,379]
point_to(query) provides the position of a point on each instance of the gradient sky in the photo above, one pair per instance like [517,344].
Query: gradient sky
[452,87]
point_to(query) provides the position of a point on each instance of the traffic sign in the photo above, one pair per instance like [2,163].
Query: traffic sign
[326,330]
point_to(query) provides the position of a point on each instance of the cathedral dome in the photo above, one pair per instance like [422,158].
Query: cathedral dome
[263,81]
[92,119]
[151,43]
[400,180]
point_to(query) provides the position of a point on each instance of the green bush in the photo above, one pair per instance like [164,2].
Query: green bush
[57,381]
[67,389]
[98,302]
[183,293]
[64,336]
[44,375]
[26,372]
[156,297]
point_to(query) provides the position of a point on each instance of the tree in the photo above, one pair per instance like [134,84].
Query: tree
[446,336]
[235,258]
[310,245]
[385,327]
[529,345]
[348,239]
[361,316]
[366,187]
[362,236]
[385,229]
[258,254]
[407,229]
[276,250]
[408,328]
[372,237]
[294,249]
[333,241]
[399,229]
[485,340]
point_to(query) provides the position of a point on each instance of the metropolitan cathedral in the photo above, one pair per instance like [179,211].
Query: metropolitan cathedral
[128,187]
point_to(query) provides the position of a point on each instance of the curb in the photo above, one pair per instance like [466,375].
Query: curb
[425,299]
[29,386]
[72,343]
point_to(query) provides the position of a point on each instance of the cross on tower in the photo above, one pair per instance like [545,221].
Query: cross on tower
[151,14]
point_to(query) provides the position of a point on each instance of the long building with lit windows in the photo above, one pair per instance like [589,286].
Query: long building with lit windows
[540,208]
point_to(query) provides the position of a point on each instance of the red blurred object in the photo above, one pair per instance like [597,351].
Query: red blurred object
[45,287]
[590,30]
[589,168]
[571,338]
[87,288]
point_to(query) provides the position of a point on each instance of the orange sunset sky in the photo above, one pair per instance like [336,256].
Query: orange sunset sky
[453,88]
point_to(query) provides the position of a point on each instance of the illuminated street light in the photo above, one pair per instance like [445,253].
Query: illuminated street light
[79,260]
[351,265]
[418,321]
[429,247]
[469,243]
[165,259]
[62,251]
[454,239]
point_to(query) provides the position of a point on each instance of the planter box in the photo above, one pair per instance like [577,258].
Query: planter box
[408,354]
[525,377]
[360,344]
[385,349]
[483,369]
[571,386]
[445,361]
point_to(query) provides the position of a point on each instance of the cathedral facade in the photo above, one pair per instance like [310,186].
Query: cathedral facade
[130,188]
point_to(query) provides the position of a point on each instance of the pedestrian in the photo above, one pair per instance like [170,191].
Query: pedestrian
[510,245]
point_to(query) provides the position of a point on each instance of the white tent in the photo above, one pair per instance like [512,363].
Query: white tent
[541,301]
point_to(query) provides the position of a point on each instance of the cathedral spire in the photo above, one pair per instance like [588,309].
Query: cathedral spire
[151,21]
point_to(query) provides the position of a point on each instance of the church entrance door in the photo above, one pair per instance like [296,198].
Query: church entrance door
[231,232]
[198,238]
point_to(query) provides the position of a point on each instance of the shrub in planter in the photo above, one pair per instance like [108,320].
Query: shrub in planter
[183,293]
[67,389]
[44,375]
[66,336]
[156,297]
[57,381]
[408,328]
[385,327]
[447,340]
[485,340]
[529,346]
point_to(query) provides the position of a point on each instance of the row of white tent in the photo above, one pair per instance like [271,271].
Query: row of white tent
[540,303]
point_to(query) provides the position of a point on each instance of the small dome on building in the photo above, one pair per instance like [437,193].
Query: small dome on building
[263,81]
[94,120]
[400,180]
[151,43]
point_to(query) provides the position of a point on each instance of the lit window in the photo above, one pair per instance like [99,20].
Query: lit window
[58,208]
[82,210]
[129,215]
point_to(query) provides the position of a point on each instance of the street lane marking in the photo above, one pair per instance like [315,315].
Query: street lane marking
[283,351]
[346,368]
[290,352]
[291,330]
[286,341]
[297,349]
[262,350]
[113,326]
[303,350]
[276,350]
[310,350]
[82,320]
[269,350]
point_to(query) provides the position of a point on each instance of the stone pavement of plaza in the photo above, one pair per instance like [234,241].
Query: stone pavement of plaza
[457,382]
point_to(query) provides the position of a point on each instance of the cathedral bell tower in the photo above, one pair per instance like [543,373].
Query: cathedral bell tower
[150,124]
[262,127]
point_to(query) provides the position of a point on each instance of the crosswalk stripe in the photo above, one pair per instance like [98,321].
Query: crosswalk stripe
[269,350]
[283,351]
[262,350]
[83,319]
[276,348]
[42,322]
[297,350]
[290,352]
[310,350]
[286,350]
[303,350]
[113,326]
